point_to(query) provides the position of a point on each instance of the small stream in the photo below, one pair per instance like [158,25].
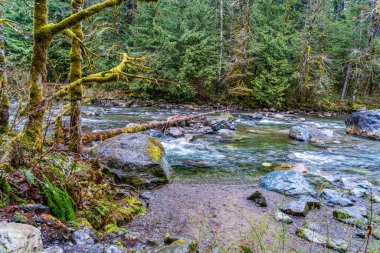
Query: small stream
[240,157]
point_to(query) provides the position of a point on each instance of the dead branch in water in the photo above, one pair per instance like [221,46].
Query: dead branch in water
[134,128]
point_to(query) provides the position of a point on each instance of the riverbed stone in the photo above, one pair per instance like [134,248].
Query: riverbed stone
[223,121]
[258,198]
[312,236]
[295,208]
[19,238]
[353,215]
[175,132]
[287,182]
[297,167]
[137,159]
[282,217]
[311,134]
[334,197]
[84,236]
[364,123]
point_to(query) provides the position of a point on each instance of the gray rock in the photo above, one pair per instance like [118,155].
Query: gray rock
[135,158]
[203,130]
[147,195]
[312,134]
[353,215]
[336,198]
[114,249]
[226,132]
[296,208]
[175,132]
[258,198]
[312,236]
[364,123]
[54,249]
[281,217]
[287,182]
[223,121]
[19,238]
[36,208]
[311,202]
[84,236]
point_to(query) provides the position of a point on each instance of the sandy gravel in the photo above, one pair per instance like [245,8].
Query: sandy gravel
[221,213]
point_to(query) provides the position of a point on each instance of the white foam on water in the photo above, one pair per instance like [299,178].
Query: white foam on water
[318,158]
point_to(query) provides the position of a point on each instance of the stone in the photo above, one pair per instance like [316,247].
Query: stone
[114,249]
[312,236]
[297,167]
[175,132]
[311,134]
[336,198]
[203,130]
[353,215]
[178,244]
[364,123]
[147,195]
[137,159]
[223,121]
[311,202]
[84,236]
[266,164]
[282,217]
[258,198]
[36,208]
[278,116]
[295,208]
[19,238]
[287,182]
[226,132]
[54,249]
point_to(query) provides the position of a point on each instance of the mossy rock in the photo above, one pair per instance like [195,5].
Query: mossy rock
[136,159]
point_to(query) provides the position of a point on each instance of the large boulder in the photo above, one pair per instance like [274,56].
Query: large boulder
[19,238]
[136,159]
[366,123]
[311,134]
[287,182]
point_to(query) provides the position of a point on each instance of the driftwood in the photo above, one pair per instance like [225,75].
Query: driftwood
[134,128]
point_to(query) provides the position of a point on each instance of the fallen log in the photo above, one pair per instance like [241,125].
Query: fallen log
[134,128]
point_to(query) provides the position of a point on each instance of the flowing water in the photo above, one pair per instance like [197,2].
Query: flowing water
[240,157]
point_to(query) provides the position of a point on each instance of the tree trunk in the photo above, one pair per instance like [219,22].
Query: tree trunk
[75,142]
[4,99]
[346,81]
[42,39]
[220,43]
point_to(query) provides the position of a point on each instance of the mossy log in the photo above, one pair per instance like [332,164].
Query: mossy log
[134,128]
[4,99]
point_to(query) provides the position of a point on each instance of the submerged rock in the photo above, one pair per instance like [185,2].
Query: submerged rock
[312,236]
[365,123]
[311,134]
[336,198]
[287,182]
[20,238]
[135,158]
[258,198]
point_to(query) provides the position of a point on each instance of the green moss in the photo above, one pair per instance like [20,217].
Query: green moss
[340,215]
[113,228]
[155,149]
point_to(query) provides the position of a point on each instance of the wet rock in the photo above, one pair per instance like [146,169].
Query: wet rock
[223,121]
[311,133]
[365,123]
[287,182]
[20,238]
[203,130]
[353,215]
[175,132]
[136,159]
[226,132]
[281,217]
[296,208]
[312,236]
[54,249]
[297,167]
[336,198]
[84,236]
[258,198]
[36,208]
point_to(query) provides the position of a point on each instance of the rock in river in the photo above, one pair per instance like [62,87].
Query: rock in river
[366,123]
[311,133]
[224,121]
[287,182]
[135,158]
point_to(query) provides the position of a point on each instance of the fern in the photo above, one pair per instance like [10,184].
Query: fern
[29,175]
[59,201]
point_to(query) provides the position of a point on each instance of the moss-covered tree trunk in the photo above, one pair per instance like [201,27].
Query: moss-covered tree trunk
[42,40]
[75,142]
[4,100]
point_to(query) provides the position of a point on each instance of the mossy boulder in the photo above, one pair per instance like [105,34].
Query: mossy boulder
[136,159]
